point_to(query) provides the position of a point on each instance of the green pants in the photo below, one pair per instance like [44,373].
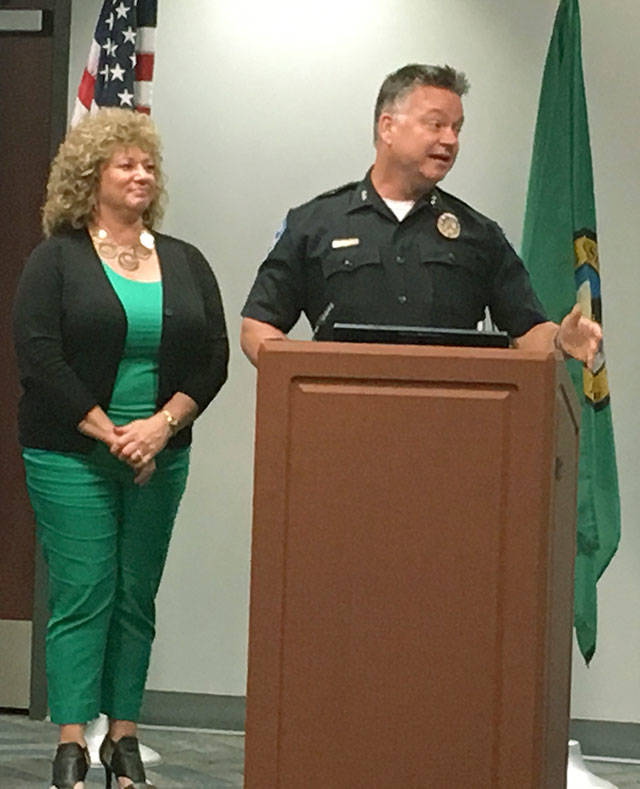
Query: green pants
[105,541]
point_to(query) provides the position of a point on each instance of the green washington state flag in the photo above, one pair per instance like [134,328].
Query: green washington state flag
[560,250]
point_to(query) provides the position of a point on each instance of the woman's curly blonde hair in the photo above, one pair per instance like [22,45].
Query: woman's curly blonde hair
[77,168]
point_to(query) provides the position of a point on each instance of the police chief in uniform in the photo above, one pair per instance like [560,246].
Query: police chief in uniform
[395,249]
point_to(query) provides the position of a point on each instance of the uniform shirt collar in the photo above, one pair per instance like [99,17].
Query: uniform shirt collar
[365,196]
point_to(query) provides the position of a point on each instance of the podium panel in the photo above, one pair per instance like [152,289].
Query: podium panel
[411,568]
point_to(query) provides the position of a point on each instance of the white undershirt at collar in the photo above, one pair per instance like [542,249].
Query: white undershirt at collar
[400,207]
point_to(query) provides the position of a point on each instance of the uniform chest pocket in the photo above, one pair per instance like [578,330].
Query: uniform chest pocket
[457,286]
[355,262]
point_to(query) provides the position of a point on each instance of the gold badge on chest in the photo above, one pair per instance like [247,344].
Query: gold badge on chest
[448,225]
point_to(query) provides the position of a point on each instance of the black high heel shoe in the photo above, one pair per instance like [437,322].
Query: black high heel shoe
[123,759]
[70,765]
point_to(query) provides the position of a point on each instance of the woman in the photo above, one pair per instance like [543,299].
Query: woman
[121,343]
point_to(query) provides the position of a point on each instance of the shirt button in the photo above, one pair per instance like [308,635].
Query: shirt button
[451,256]
[348,263]
[402,299]
[399,259]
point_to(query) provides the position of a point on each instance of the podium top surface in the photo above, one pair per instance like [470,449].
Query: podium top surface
[353,349]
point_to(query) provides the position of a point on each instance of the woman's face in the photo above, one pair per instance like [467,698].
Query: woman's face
[127,182]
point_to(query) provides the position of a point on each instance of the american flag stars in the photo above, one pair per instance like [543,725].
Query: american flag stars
[120,66]
[110,47]
[122,10]
[117,72]
[126,98]
[118,56]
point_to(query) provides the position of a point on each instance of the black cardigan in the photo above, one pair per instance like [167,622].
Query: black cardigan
[70,330]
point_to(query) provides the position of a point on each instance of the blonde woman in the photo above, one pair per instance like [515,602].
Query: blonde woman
[121,344]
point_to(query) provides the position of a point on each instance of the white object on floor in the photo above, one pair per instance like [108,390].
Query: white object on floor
[94,735]
[578,777]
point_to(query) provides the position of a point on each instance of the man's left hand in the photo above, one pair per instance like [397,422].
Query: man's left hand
[579,337]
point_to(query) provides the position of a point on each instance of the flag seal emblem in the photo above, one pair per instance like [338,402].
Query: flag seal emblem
[587,277]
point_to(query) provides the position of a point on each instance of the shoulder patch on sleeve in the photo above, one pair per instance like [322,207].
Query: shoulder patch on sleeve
[278,234]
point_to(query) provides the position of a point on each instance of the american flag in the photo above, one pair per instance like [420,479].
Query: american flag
[119,70]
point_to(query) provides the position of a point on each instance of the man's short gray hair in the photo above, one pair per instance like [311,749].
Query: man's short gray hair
[397,85]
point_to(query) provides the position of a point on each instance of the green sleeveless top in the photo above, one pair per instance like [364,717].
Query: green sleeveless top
[136,386]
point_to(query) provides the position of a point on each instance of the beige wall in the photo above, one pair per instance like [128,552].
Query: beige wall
[261,106]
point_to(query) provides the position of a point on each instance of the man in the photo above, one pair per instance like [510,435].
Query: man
[395,249]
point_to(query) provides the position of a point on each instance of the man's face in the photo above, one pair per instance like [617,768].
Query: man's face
[421,136]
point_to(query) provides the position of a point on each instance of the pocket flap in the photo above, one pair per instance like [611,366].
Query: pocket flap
[349,259]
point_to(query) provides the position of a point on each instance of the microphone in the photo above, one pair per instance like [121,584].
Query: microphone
[322,319]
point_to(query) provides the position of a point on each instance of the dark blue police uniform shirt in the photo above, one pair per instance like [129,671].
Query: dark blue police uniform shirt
[347,248]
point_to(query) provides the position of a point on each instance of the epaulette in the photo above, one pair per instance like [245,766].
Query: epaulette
[454,199]
[338,190]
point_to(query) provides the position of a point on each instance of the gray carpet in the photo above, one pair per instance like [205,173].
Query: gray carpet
[198,760]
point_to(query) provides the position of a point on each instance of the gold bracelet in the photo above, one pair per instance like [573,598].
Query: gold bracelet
[174,426]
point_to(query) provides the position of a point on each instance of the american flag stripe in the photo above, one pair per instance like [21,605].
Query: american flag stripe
[146,39]
[85,90]
[87,83]
[142,91]
[119,70]
[94,58]
[144,67]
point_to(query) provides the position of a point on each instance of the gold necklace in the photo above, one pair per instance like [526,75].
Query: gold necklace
[127,257]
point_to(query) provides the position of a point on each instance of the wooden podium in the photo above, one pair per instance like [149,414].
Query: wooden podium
[412,568]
